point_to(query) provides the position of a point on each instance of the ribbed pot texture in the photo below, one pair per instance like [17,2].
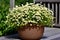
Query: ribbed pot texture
[31,32]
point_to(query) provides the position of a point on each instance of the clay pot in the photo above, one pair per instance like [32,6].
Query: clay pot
[31,32]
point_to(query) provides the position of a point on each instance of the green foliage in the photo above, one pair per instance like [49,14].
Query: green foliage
[29,13]
[19,2]
[4,10]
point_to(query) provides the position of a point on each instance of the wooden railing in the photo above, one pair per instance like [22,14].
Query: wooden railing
[53,5]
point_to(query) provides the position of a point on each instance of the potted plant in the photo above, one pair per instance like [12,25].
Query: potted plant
[30,20]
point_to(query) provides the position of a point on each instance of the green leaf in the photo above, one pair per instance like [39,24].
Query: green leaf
[0,33]
[0,16]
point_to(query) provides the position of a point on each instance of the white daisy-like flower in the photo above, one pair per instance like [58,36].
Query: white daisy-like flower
[39,13]
[30,24]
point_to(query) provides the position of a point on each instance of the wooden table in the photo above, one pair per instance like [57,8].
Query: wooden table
[49,34]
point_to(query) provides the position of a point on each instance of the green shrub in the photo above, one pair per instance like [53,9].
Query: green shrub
[4,10]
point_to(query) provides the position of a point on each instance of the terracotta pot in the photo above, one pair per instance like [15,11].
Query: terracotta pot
[31,32]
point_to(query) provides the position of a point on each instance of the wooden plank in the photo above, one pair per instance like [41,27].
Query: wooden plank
[59,13]
[56,12]
[53,10]
[49,5]
[53,7]
[12,4]
[44,4]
